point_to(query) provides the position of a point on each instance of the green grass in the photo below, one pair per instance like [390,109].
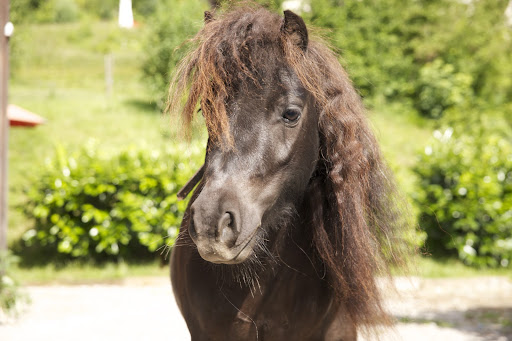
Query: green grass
[429,267]
[76,273]
[418,320]
[401,134]
[72,274]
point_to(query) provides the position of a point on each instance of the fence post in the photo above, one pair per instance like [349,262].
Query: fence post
[4,121]
[109,74]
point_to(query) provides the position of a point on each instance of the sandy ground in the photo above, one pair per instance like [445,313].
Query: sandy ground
[144,309]
[452,309]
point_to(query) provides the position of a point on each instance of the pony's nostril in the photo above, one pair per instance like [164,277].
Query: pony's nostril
[226,231]
[226,220]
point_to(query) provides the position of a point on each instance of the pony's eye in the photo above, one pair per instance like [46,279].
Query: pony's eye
[291,115]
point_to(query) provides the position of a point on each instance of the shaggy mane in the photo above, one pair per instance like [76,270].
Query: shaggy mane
[353,207]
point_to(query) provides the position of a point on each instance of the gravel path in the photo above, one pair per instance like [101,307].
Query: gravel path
[144,309]
[452,309]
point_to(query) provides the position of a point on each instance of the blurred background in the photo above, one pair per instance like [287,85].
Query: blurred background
[92,190]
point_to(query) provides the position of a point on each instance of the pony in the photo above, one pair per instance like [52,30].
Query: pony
[295,212]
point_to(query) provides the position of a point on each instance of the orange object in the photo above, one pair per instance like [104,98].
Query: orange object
[22,118]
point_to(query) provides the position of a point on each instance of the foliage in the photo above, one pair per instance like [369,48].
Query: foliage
[145,7]
[11,297]
[86,205]
[103,9]
[429,47]
[476,40]
[43,11]
[108,9]
[440,88]
[22,10]
[465,192]
[372,40]
[58,11]
[173,23]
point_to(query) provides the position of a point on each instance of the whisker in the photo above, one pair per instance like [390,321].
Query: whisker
[241,312]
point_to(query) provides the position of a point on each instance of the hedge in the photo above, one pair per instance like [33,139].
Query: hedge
[465,193]
[90,205]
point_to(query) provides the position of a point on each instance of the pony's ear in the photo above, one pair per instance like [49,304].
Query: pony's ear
[294,28]
[208,17]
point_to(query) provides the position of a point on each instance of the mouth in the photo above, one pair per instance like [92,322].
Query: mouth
[217,253]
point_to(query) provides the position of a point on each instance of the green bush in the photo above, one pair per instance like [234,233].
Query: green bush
[475,39]
[21,11]
[58,11]
[91,206]
[28,11]
[465,193]
[440,87]
[144,8]
[403,50]
[373,41]
[108,9]
[102,9]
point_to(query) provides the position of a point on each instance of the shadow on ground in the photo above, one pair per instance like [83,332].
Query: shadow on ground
[488,323]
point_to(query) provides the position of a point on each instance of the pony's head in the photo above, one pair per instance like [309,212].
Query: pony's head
[287,136]
[263,136]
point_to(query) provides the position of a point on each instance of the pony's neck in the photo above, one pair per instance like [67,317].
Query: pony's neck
[292,248]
